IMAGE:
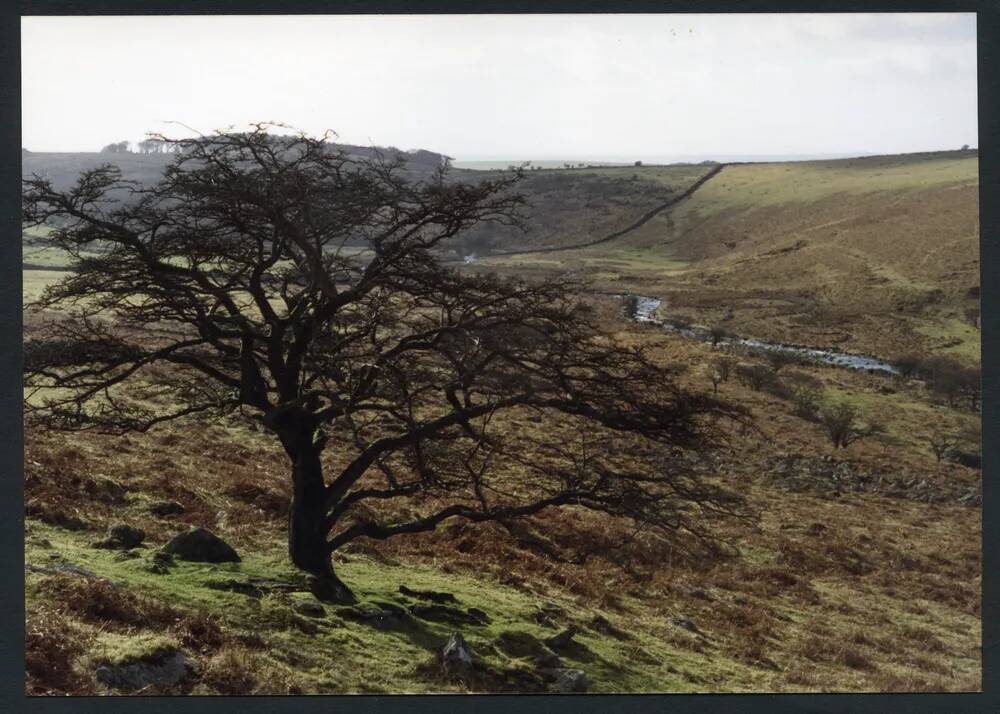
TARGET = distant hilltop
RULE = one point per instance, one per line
(146, 164)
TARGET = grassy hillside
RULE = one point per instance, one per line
(832, 589)
(877, 255)
(856, 569)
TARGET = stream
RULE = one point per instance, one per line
(644, 308)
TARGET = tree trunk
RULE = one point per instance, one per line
(307, 530)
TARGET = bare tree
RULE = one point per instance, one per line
(941, 443)
(284, 280)
(842, 424)
(723, 366)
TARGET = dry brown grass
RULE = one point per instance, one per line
(52, 643)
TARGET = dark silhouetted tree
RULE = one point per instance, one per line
(286, 281)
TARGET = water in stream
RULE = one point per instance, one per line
(643, 308)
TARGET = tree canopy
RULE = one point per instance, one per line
(284, 280)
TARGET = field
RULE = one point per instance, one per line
(857, 569)
(877, 255)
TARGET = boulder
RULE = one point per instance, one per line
(687, 623)
(380, 615)
(166, 668)
(125, 536)
(166, 508)
(455, 657)
(104, 489)
(201, 545)
(450, 615)
(521, 644)
(440, 598)
(568, 681)
(562, 640)
(601, 625)
(309, 608)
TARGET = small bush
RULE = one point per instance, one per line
(754, 376)
(842, 424)
(723, 366)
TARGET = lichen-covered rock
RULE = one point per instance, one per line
(201, 545)
(562, 640)
(166, 508)
(440, 598)
(521, 644)
(122, 536)
(568, 681)
(450, 615)
(380, 615)
(309, 608)
(456, 657)
(165, 668)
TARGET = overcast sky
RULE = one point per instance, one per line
(514, 86)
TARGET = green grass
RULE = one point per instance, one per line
(758, 185)
(947, 330)
(34, 282)
(373, 660)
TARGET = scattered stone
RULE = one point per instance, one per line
(126, 555)
(440, 598)
(166, 508)
(65, 569)
(251, 640)
(562, 640)
(254, 587)
(521, 644)
(548, 613)
(201, 545)
(122, 537)
(484, 619)
(455, 657)
(602, 626)
(380, 615)
(166, 668)
(104, 489)
(450, 615)
(568, 681)
(306, 626)
(309, 608)
(548, 660)
(828, 477)
(53, 516)
(687, 623)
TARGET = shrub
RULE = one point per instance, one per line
(842, 425)
(806, 402)
(907, 365)
(754, 376)
(940, 444)
(717, 334)
(723, 366)
(777, 359)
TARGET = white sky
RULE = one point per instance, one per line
(526, 86)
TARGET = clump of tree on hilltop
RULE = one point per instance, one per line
(285, 280)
